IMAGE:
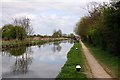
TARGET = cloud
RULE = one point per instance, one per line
(46, 15)
(55, 1)
(28, 15)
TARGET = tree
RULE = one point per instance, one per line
(64, 35)
(57, 33)
(13, 32)
(60, 33)
(25, 23)
(20, 32)
(101, 27)
(71, 35)
(6, 31)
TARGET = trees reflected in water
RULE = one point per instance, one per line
(56, 47)
(17, 51)
(71, 41)
(23, 58)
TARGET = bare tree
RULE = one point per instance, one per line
(25, 23)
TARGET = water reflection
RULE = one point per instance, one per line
(22, 62)
(56, 47)
(39, 46)
(22, 57)
(39, 61)
(71, 41)
(17, 51)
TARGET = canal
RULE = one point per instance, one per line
(40, 61)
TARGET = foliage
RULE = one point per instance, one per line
(13, 32)
(57, 34)
(25, 23)
(17, 51)
(71, 35)
(19, 30)
(102, 27)
(109, 60)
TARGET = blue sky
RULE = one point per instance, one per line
(46, 15)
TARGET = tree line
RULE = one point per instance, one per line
(19, 30)
(101, 27)
(56, 34)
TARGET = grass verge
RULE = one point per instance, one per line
(107, 60)
(73, 57)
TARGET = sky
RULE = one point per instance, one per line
(46, 15)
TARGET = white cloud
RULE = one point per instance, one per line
(46, 16)
(55, 0)
(28, 15)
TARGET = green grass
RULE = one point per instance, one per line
(73, 57)
(15, 43)
(20, 43)
(107, 60)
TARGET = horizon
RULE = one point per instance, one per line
(46, 16)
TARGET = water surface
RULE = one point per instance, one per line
(41, 61)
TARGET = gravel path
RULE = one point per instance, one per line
(96, 69)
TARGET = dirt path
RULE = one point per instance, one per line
(96, 69)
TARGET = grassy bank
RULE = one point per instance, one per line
(14, 43)
(17, 43)
(73, 57)
(107, 60)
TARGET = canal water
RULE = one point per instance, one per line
(41, 61)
